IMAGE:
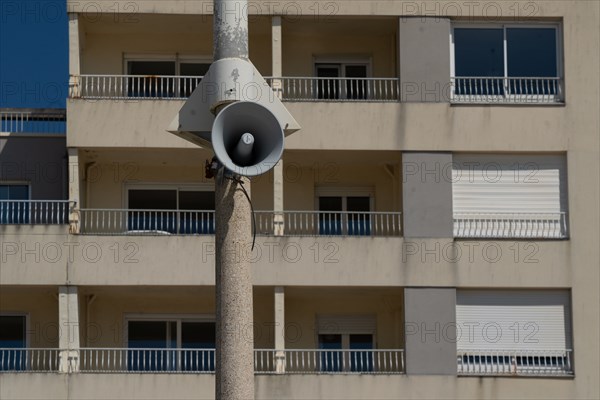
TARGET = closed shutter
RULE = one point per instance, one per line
(513, 320)
(509, 183)
(346, 324)
(509, 195)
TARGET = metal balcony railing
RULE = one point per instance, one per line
(515, 362)
(148, 222)
(147, 360)
(200, 361)
(33, 120)
(35, 212)
(511, 225)
(329, 361)
(129, 87)
(202, 222)
(29, 360)
(511, 90)
(122, 87)
(337, 89)
(331, 223)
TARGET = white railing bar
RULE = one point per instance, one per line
(514, 362)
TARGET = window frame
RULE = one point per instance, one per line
(18, 183)
(27, 323)
(178, 318)
(331, 328)
(343, 222)
(184, 187)
(556, 25)
(177, 58)
(341, 62)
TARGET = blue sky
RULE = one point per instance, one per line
(34, 64)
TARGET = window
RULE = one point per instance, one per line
(13, 211)
(171, 345)
(509, 196)
(173, 210)
(339, 335)
(329, 87)
(506, 60)
(513, 331)
(164, 77)
(12, 339)
(344, 214)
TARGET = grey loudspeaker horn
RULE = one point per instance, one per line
(247, 138)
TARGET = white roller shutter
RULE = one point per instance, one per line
(346, 324)
(498, 195)
(509, 183)
(513, 320)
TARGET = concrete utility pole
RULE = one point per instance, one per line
(234, 327)
(233, 112)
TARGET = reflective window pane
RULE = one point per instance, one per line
(478, 52)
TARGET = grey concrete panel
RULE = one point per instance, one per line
(39, 161)
(430, 331)
(427, 195)
(424, 50)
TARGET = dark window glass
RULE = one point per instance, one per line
(151, 85)
(196, 222)
(356, 88)
(330, 221)
(12, 331)
(14, 192)
(359, 222)
(331, 361)
(153, 199)
(478, 52)
(531, 52)
(358, 204)
(146, 336)
(193, 70)
(151, 67)
(12, 336)
(328, 88)
(198, 335)
(196, 200)
(14, 212)
(164, 221)
(361, 361)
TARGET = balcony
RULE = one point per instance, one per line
(337, 89)
(35, 212)
(510, 225)
(518, 362)
(200, 361)
(202, 222)
(128, 87)
(506, 90)
(33, 120)
(29, 360)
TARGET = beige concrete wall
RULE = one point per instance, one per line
(351, 126)
(308, 40)
(110, 173)
(191, 386)
(303, 261)
(108, 41)
(111, 307)
(305, 174)
(40, 305)
(34, 254)
(326, 11)
(303, 305)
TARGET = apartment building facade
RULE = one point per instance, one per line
(431, 231)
